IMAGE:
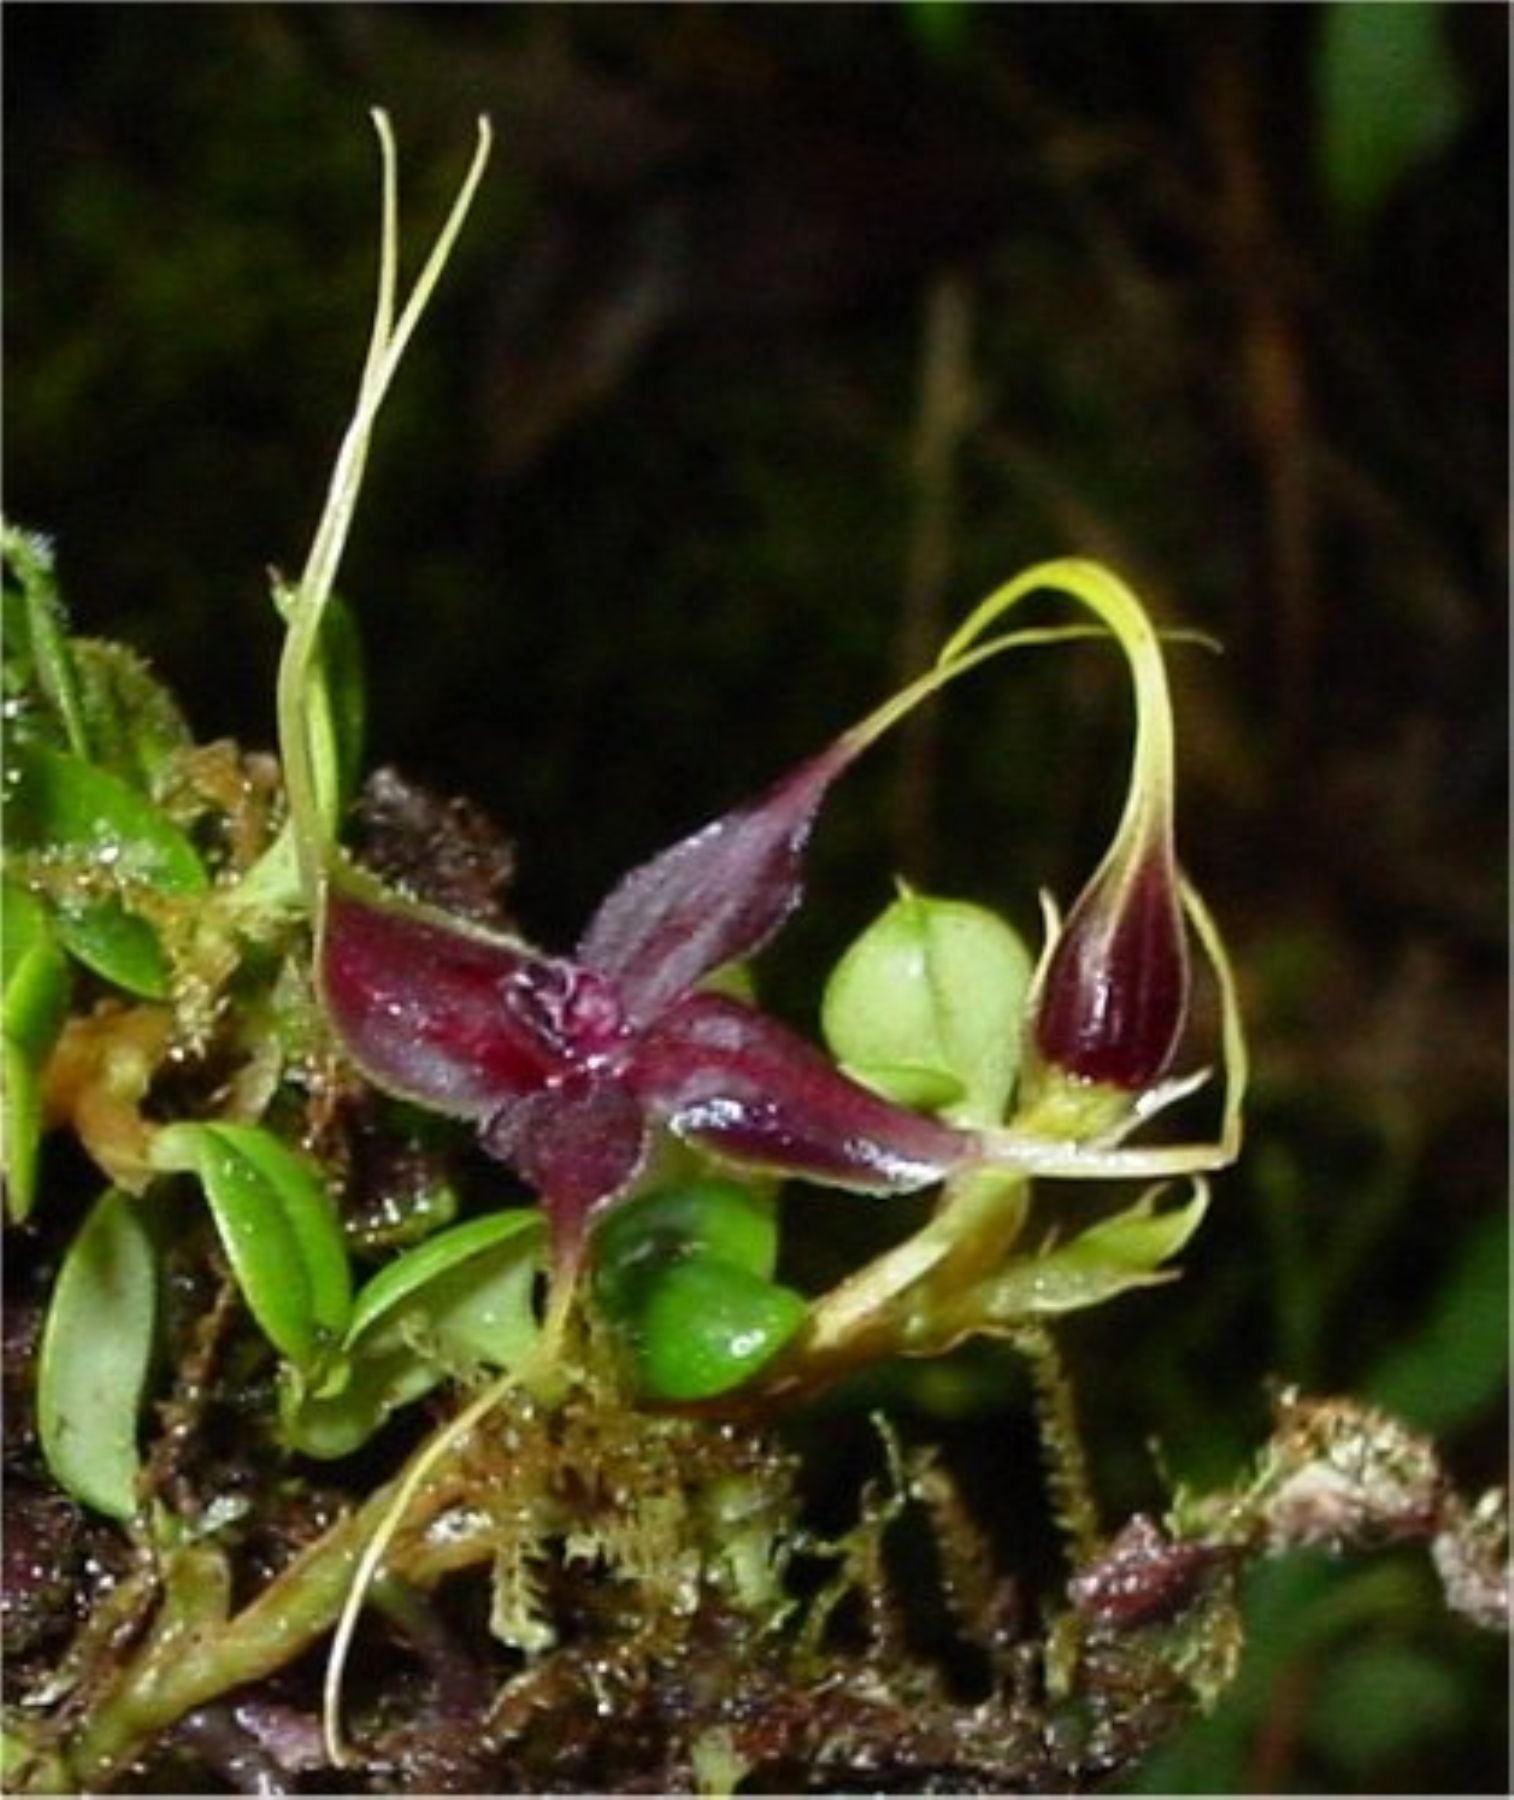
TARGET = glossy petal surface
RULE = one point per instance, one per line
(1115, 996)
(710, 899)
(424, 1006)
(743, 1086)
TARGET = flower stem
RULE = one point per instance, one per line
(900, 1303)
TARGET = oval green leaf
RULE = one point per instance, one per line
(465, 1297)
(61, 806)
(32, 969)
(705, 1326)
(95, 1351)
(685, 1273)
(708, 1217)
(280, 1228)
(926, 1007)
(404, 1281)
(35, 1002)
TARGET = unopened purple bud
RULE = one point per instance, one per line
(1114, 997)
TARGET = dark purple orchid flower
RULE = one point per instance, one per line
(564, 1065)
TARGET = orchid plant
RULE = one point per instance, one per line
(572, 1069)
(633, 1089)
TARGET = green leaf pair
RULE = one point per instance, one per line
(465, 1296)
(462, 1298)
(685, 1273)
(284, 1242)
(97, 730)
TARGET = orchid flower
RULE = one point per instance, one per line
(564, 1064)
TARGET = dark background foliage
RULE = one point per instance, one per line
(667, 495)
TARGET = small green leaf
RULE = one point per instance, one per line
(29, 556)
(111, 840)
(361, 1394)
(35, 1001)
(706, 1217)
(484, 1310)
(685, 1273)
(926, 1007)
(33, 970)
(705, 1326)
(93, 1362)
(399, 1283)
(134, 723)
(280, 1229)
(464, 1297)
(1112, 1257)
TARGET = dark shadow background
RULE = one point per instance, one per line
(780, 335)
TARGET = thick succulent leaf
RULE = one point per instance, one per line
(684, 1273)
(33, 973)
(61, 806)
(705, 1217)
(94, 1357)
(403, 1282)
(1120, 1253)
(711, 899)
(355, 1399)
(36, 983)
(465, 1296)
(926, 1007)
(437, 1011)
(732, 1081)
(280, 1229)
(702, 1326)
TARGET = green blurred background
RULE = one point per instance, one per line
(779, 336)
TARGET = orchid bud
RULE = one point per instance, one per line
(1110, 1000)
(1114, 995)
